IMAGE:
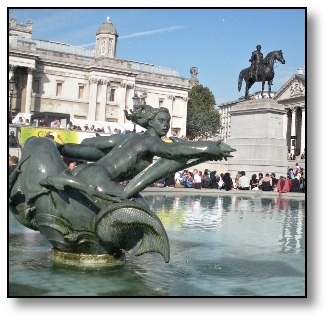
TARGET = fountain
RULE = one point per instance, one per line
(86, 214)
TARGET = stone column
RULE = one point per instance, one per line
(93, 99)
(102, 106)
(184, 117)
(11, 92)
(285, 123)
(170, 109)
(293, 130)
(303, 131)
(11, 71)
(122, 101)
(29, 91)
(11, 76)
(130, 92)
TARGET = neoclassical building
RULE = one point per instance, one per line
(47, 76)
(292, 96)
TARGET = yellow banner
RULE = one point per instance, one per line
(61, 136)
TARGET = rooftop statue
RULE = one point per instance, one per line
(261, 70)
(87, 209)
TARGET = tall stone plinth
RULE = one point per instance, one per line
(257, 135)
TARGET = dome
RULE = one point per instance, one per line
(107, 28)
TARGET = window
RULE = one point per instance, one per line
(161, 103)
(81, 91)
(58, 89)
(112, 95)
(111, 120)
(35, 86)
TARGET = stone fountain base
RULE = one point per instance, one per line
(85, 260)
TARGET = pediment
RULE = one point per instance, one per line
(293, 88)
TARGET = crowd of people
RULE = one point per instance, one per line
(56, 123)
(86, 127)
(293, 181)
(70, 126)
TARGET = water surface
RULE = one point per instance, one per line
(220, 246)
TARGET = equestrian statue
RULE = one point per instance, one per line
(261, 70)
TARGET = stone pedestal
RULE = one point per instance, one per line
(257, 135)
(86, 260)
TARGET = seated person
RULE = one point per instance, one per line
(228, 182)
(213, 180)
(295, 185)
(189, 179)
(274, 181)
(244, 182)
(197, 183)
(265, 184)
(254, 182)
(169, 181)
(283, 185)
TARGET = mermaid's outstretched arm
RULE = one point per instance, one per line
(164, 166)
(159, 169)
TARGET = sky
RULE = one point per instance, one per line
(217, 41)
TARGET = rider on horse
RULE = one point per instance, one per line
(255, 60)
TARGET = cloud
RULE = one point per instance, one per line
(143, 33)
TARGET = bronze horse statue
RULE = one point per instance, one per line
(265, 73)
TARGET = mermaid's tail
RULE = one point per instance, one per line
(123, 225)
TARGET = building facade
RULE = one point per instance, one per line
(292, 97)
(47, 76)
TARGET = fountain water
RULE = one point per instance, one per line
(222, 245)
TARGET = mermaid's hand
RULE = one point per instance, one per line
(218, 150)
